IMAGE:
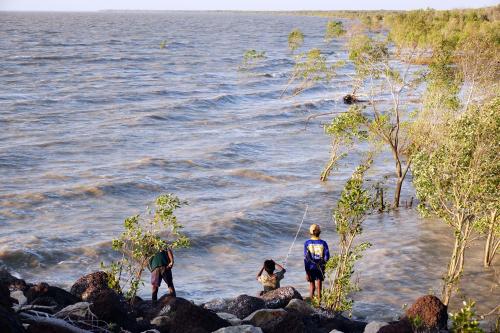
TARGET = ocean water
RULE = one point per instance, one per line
(96, 120)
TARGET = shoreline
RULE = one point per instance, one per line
(40, 307)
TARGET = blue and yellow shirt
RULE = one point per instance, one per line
(315, 253)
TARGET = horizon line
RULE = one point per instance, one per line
(238, 10)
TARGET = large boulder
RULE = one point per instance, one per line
(431, 311)
(80, 310)
(43, 294)
(244, 305)
(263, 316)
(19, 297)
(401, 326)
(9, 322)
(231, 318)
(217, 305)
(286, 322)
(280, 297)
(11, 281)
(181, 316)
(323, 323)
(111, 307)
(300, 307)
(86, 287)
(240, 329)
(374, 326)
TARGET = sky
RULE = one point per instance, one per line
(92, 5)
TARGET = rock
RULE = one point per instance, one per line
(19, 296)
(5, 300)
(43, 294)
(402, 326)
(322, 323)
(78, 310)
(162, 323)
(374, 326)
(11, 281)
(9, 321)
(244, 305)
(89, 285)
(184, 316)
(300, 307)
(240, 329)
(431, 311)
(280, 297)
(111, 307)
(349, 99)
(217, 305)
(47, 328)
(276, 321)
(261, 317)
(231, 318)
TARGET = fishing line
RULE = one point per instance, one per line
(296, 235)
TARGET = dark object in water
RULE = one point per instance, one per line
(349, 99)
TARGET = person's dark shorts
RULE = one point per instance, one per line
(315, 274)
(162, 273)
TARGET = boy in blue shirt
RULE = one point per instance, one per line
(316, 254)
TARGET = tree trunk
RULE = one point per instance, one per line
(448, 278)
(328, 168)
(397, 191)
(491, 245)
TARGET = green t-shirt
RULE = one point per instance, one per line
(158, 260)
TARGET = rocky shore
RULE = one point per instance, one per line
(91, 306)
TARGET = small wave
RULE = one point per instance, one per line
(217, 101)
(261, 176)
(255, 175)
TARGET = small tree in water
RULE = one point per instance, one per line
(457, 179)
(143, 237)
(352, 208)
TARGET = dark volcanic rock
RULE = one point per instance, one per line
(46, 328)
(177, 315)
(244, 305)
(217, 305)
(111, 307)
(5, 299)
(349, 99)
(86, 287)
(280, 297)
(9, 322)
(431, 311)
(276, 321)
(11, 281)
(402, 326)
(43, 294)
(323, 324)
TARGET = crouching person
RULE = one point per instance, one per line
(160, 266)
(269, 279)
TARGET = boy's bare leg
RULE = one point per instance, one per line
(171, 290)
(319, 285)
(154, 294)
(311, 289)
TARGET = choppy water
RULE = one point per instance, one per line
(96, 120)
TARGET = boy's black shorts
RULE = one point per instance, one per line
(315, 274)
(160, 273)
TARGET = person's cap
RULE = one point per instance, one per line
(313, 228)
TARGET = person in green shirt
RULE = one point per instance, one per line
(160, 266)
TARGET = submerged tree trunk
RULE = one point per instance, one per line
(492, 244)
(456, 264)
(399, 181)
